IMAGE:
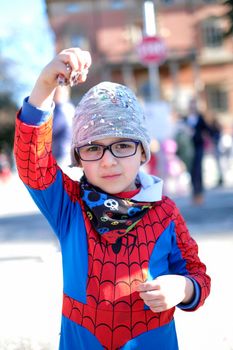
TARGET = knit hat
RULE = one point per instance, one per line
(109, 110)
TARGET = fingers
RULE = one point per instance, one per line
(154, 300)
(76, 58)
(87, 58)
(147, 286)
(76, 63)
(63, 76)
(151, 295)
(87, 64)
(158, 308)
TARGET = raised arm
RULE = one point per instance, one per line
(35, 163)
(33, 137)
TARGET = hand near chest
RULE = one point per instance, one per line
(166, 291)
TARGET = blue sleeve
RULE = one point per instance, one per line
(32, 115)
(194, 302)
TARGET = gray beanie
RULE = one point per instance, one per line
(109, 110)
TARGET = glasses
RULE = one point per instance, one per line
(119, 149)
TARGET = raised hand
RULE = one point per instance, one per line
(69, 67)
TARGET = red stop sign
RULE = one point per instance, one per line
(151, 49)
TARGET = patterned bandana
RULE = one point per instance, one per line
(112, 217)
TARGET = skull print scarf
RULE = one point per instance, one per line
(111, 216)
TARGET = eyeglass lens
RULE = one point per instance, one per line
(119, 149)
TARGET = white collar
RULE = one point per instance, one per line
(151, 188)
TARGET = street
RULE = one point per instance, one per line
(31, 276)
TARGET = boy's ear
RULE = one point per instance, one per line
(79, 165)
(143, 156)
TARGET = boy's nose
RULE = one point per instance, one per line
(108, 158)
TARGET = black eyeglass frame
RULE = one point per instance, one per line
(108, 147)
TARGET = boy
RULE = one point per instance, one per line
(128, 258)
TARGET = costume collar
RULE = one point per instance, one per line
(151, 188)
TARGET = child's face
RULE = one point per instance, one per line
(111, 174)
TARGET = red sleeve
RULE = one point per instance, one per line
(189, 251)
(33, 154)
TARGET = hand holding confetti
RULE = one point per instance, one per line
(69, 67)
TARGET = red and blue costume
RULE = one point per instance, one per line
(101, 309)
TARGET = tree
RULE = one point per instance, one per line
(7, 121)
(229, 16)
(8, 107)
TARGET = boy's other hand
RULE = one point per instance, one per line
(166, 291)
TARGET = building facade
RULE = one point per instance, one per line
(199, 61)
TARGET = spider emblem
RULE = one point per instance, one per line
(128, 242)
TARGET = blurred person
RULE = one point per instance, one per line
(128, 257)
(199, 129)
(5, 166)
(184, 142)
(226, 150)
(152, 165)
(216, 134)
(226, 144)
(62, 125)
(172, 168)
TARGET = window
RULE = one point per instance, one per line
(210, 1)
(77, 7)
(167, 2)
(216, 98)
(117, 4)
(212, 33)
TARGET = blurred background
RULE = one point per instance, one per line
(177, 56)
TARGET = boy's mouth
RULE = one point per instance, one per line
(110, 176)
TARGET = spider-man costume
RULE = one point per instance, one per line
(101, 309)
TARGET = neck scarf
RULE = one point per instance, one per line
(112, 217)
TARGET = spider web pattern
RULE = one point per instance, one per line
(114, 312)
(36, 166)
